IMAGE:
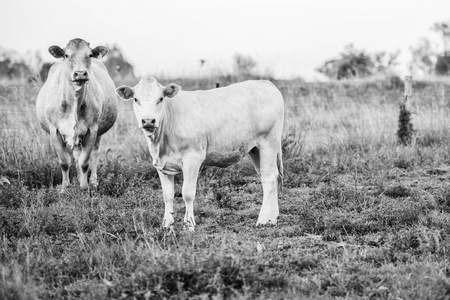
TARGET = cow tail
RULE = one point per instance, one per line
(280, 171)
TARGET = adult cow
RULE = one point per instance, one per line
(216, 128)
(76, 105)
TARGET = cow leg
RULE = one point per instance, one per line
(83, 160)
(269, 176)
(93, 163)
(191, 167)
(76, 154)
(167, 184)
(64, 157)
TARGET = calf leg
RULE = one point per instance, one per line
(254, 155)
(65, 160)
(191, 167)
(269, 175)
(167, 184)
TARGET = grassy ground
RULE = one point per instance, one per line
(360, 216)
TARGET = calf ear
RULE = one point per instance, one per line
(171, 90)
(56, 51)
(125, 92)
(100, 50)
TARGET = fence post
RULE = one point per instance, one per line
(405, 129)
(408, 91)
(445, 92)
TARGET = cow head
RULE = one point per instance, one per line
(77, 57)
(149, 97)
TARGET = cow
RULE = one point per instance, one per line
(76, 106)
(187, 129)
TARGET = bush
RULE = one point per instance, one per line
(358, 63)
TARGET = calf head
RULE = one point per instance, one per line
(149, 97)
(77, 57)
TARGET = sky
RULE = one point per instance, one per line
(287, 39)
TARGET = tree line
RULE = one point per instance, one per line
(429, 57)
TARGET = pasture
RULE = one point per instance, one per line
(361, 216)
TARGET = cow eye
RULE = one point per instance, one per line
(66, 55)
(136, 100)
(161, 99)
(91, 55)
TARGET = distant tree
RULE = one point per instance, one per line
(118, 67)
(429, 60)
(443, 29)
(244, 65)
(358, 63)
(442, 66)
(423, 57)
(12, 65)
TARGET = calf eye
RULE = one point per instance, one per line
(161, 99)
(136, 100)
(66, 55)
(91, 55)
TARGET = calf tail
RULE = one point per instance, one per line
(280, 171)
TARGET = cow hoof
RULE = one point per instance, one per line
(94, 184)
(92, 189)
(170, 231)
(64, 188)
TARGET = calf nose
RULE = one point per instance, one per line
(79, 75)
(148, 122)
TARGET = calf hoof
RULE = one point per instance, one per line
(267, 217)
(189, 226)
(168, 221)
(266, 221)
(189, 223)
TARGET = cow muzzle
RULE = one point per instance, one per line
(80, 77)
(149, 125)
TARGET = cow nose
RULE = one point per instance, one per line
(148, 122)
(80, 75)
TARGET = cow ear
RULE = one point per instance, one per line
(100, 50)
(171, 90)
(125, 92)
(56, 51)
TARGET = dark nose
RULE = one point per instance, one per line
(148, 122)
(77, 75)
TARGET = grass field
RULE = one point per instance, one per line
(361, 217)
